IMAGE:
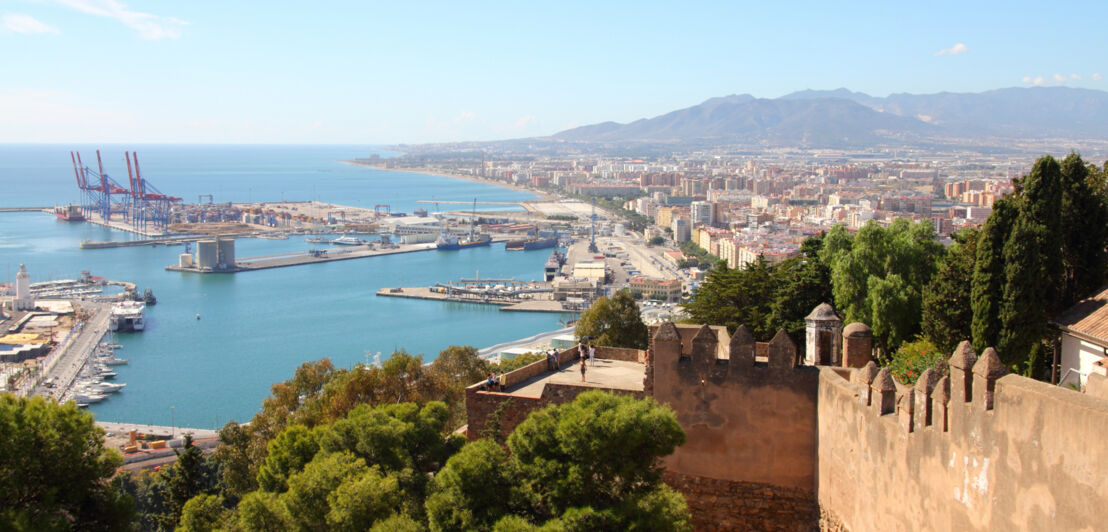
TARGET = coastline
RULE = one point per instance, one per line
(544, 196)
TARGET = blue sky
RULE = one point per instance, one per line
(411, 72)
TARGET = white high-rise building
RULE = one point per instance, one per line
(702, 213)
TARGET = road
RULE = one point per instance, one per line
(73, 357)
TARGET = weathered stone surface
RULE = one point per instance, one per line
(724, 505)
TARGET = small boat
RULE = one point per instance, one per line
(197, 316)
(315, 240)
(148, 297)
(110, 360)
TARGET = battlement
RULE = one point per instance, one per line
(978, 449)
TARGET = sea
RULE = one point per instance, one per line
(255, 328)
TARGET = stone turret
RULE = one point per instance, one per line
(857, 345)
(823, 331)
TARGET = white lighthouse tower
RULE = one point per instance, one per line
(23, 299)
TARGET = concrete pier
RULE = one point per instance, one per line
(298, 258)
(505, 304)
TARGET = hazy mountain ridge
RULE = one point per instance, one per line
(845, 118)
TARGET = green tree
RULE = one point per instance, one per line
(799, 285)
(947, 315)
(55, 471)
(474, 490)
(397, 523)
(288, 453)
(264, 511)
(592, 464)
(988, 274)
(1041, 251)
(656, 241)
(362, 500)
(309, 489)
(203, 513)
(190, 475)
(405, 440)
(882, 270)
(1084, 230)
(614, 322)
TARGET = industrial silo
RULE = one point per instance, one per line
(227, 253)
(207, 254)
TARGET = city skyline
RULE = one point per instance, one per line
(110, 71)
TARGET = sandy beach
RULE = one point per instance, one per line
(427, 171)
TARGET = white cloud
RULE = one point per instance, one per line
(26, 24)
(957, 49)
(466, 116)
(1096, 76)
(525, 121)
(1027, 79)
(1059, 78)
(1075, 77)
(148, 26)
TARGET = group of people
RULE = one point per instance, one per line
(586, 354)
(493, 383)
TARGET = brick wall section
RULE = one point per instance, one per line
(725, 505)
(481, 403)
(621, 353)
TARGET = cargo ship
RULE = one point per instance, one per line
(531, 243)
(69, 213)
(447, 242)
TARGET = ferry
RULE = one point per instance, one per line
(69, 213)
(348, 241)
(127, 316)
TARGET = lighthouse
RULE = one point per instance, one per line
(23, 299)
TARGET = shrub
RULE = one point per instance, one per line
(913, 358)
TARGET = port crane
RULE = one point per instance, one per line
(138, 204)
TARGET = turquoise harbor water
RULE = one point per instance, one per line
(256, 327)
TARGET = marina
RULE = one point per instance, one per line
(256, 329)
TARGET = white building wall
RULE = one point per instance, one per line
(1077, 360)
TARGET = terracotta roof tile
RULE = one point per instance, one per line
(1089, 317)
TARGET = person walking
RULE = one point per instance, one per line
(583, 364)
(592, 353)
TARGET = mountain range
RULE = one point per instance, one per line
(840, 118)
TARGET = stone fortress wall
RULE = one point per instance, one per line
(775, 443)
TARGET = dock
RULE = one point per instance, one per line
(26, 209)
(284, 260)
(505, 304)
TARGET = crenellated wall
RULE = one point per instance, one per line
(750, 427)
(773, 444)
(977, 450)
